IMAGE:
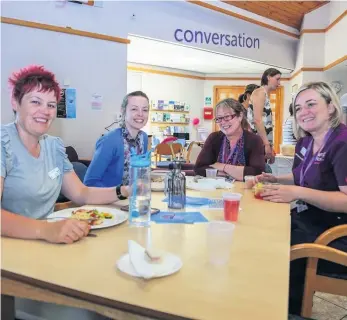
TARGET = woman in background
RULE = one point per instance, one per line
(245, 97)
(35, 168)
(233, 150)
(288, 132)
(259, 112)
(318, 181)
(111, 160)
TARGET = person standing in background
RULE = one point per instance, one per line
(245, 97)
(244, 100)
(259, 113)
(288, 133)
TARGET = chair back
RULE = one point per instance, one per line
(164, 149)
(71, 154)
(193, 152)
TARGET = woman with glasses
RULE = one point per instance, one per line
(233, 150)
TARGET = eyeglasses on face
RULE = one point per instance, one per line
(225, 118)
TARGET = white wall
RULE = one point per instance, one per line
(335, 42)
(317, 19)
(337, 74)
(163, 87)
(159, 20)
(92, 66)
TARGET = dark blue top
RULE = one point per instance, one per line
(107, 166)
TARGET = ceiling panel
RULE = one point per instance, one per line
(290, 13)
(164, 54)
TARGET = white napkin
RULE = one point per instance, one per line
(168, 264)
(137, 259)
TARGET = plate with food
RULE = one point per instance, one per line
(97, 217)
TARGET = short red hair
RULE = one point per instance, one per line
(30, 78)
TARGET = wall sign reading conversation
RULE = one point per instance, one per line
(218, 39)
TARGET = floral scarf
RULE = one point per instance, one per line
(235, 155)
(130, 143)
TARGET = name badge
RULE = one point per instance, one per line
(53, 174)
(301, 206)
(303, 151)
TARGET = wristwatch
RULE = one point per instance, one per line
(119, 194)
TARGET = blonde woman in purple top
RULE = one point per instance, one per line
(318, 181)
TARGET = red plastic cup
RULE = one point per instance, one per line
(231, 206)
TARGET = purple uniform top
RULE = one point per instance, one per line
(327, 172)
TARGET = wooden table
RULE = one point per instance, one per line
(253, 285)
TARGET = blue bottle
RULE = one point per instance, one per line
(140, 190)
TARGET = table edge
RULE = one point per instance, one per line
(141, 311)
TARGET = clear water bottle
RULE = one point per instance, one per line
(175, 186)
(140, 190)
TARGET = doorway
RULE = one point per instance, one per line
(276, 100)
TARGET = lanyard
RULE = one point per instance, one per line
(308, 152)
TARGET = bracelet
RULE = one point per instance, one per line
(119, 193)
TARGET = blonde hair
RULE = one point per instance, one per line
(238, 108)
(329, 95)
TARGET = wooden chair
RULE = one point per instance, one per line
(163, 149)
(63, 205)
(193, 151)
(320, 250)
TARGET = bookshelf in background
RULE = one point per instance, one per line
(168, 117)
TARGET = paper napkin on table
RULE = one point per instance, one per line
(146, 269)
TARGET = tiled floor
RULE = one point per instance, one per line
(329, 307)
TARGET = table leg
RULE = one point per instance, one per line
(7, 307)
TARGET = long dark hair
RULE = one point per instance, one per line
(237, 107)
(271, 72)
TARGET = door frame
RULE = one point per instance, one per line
(278, 115)
(214, 102)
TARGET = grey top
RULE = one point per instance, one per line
(267, 118)
(31, 185)
(288, 133)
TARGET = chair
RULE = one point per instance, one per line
(328, 283)
(193, 151)
(63, 202)
(73, 156)
(163, 149)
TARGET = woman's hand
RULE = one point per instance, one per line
(218, 166)
(269, 154)
(266, 177)
(66, 231)
(125, 191)
(280, 193)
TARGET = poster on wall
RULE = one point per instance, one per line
(208, 101)
(67, 104)
(96, 102)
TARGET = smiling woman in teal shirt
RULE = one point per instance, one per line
(34, 165)
(111, 160)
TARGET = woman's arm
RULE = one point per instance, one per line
(77, 192)
(17, 226)
(101, 160)
(207, 155)
(335, 201)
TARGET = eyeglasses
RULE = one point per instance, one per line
(225, 118)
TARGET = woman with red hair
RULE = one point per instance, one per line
(35, 168)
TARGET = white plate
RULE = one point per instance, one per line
(118, 216)
(208, 184)
(172, 265)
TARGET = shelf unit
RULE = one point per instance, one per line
(169, 111)
(170, 123)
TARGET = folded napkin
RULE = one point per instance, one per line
(138, 264)
(137, 258)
